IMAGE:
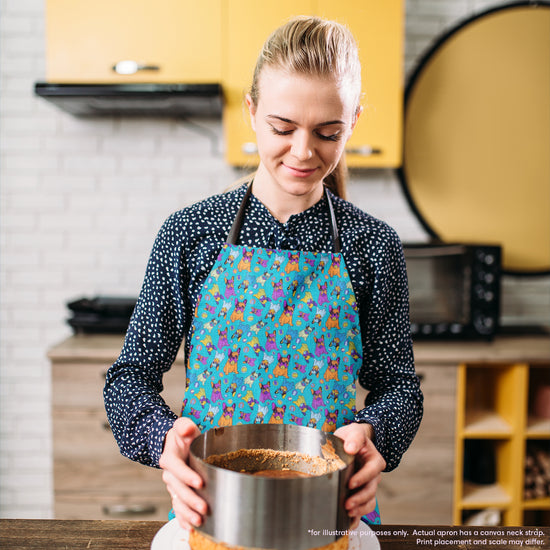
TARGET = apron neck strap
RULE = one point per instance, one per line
(233, 235)
(333, 225)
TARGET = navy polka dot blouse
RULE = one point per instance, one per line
(182, 257)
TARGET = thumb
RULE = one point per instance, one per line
(353, 436)
(186, 429)
(353, 444)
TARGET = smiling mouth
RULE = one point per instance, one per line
(300, 172)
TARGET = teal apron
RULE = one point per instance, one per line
(275, 338)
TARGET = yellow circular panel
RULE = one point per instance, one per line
(477, 136)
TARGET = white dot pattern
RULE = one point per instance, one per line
(183, 255)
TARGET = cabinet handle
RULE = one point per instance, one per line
(131, 67)
(129, 509)
(364, 150)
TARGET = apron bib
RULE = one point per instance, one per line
(275, 338)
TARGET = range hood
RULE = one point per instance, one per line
(158, 100)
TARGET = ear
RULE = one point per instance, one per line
(358, 111)
(251, 110)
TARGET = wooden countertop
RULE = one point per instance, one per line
(92, 347)
(531, 349)
(27, 534)
(520, 349)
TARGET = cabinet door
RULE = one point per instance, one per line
(378, 28)
(247, 24)
(420, 490)
(86, 39)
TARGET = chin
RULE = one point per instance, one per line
(300, 186)
(301, 189)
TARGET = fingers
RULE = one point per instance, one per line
(370, 463)
(188, 506)
(180, 473)
(357, 513)
(180, 479)
(176, 452)
(364, 500)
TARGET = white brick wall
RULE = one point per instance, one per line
(81, 201)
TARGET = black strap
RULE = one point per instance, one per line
(233, 235)
(334, 225)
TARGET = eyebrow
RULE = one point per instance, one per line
(289, 121)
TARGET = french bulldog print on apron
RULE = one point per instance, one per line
(275, 338)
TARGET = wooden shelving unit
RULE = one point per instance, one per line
(495, 426)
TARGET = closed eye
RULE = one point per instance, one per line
(331, 137)
(279, 132)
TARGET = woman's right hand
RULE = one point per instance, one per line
(181, 481)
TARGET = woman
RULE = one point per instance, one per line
(285, 293)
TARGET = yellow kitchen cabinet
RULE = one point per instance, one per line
(378, 29)
(175, 41)
(248, 23)
(496, 424)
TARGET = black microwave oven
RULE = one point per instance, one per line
(454, 290)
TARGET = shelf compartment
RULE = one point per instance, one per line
(538, 420)
(491, 406)
(481, 516)
(538, 427)
(484, 496)
(536, 517)
(536, 480)
(486, 424)
(487, 481)
(497, 426)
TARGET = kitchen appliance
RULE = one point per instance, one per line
(136, 99)
(101, 314)
(267, 512)
(454, 289)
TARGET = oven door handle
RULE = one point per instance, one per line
(431, 251)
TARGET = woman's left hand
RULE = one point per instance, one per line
(370, 463)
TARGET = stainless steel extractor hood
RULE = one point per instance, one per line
(134, 99)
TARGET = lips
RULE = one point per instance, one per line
(299, 172)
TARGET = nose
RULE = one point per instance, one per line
(301, 147)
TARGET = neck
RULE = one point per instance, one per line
(283, 204)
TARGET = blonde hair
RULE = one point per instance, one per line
(309, 45)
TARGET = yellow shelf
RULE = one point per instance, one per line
(494, 403)
(538, 427)
(537, 504)
(486, 424)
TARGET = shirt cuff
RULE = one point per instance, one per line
(379, 440)
(157, 435)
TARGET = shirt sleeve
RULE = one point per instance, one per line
(138, 416)
(394, 404)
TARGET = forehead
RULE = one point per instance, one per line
(295, 95)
